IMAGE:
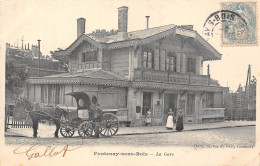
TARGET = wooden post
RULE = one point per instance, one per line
(39, 52)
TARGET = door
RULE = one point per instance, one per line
(147, 102)
(170, 102)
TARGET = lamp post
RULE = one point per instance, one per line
(39, 52)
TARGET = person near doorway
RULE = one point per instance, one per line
(169, 123)
(179, 124)
(148, 118)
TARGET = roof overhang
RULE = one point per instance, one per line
(170, 86)
(207, 51)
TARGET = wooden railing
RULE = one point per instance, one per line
(173, 77)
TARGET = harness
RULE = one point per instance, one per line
(38, 109)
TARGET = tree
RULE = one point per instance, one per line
(16, 75)
(63, 59)
(103, 32)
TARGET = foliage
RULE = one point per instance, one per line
(103, 32)
(16, 75)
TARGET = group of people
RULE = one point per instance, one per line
(179, 120)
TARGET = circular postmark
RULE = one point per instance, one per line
(230, 24)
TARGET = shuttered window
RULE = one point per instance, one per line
(148, 61)
(190, 65)
(190, 104)
(210, 100)
(171, 62)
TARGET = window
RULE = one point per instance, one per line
(190, 104)
(89, 56)
(50, 101)
(190, 65)
(171, 62)
(210, 100)
(83, 57)
(148, 58)
(43, 94)
(147, 102)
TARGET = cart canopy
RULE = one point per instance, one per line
(81, 96)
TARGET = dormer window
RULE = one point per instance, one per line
(89, 56)
(171, 62)
(148, 58)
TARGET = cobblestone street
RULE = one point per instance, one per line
(229, 137)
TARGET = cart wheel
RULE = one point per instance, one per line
(67, 130)
(109, 125)
(85, 129)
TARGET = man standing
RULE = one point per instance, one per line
(97, 114)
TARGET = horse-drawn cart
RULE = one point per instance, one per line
(84, 117)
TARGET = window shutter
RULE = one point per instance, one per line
(162, 60)
(178, 62)
(156, 59)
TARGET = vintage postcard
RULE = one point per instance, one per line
(129, 82)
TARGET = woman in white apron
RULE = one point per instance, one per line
(169, 123)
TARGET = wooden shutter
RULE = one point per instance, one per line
(156, 59)
(178, 62)
(162, 60)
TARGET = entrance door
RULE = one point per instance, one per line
(170, 102)
(147, 102)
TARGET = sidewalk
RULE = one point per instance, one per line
(47, 131)
(187, 127)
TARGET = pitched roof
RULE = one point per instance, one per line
(142, 37)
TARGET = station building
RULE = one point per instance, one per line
(155, 69)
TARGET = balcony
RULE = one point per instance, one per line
(173, 77)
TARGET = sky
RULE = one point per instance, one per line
(54, 23)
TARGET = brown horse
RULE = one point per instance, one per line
(37, 113)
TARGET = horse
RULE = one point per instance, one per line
(36, 113)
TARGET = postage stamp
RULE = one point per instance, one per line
(241, 30)
(236, 22)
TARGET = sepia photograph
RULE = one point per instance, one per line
(129, 82)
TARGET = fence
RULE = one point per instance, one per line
(14, 119)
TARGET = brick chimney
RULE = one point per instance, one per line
(80, 26)
(122, 21)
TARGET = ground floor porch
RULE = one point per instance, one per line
(131, 104)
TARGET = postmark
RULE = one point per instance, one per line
(236, 27)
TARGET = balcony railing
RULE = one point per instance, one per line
(173, 77)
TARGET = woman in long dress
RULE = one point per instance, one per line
(169, 123)
(179, 124)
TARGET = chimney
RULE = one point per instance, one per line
(188, 27)
(80, 26)
(122, 21)
(28, 47)
(147, 21)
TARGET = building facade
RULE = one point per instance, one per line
(154, 69)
